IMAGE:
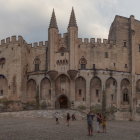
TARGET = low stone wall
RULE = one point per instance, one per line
(49, 114)
(137, 116)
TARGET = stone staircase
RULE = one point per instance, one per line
(49, 114)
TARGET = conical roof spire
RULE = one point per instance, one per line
(72, 22)
(53, 23)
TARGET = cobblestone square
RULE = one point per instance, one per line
(46, 129)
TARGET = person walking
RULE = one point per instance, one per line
(90, 123)
(68, 119)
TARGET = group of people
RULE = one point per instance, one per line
(101, 122)
(68, 117)
(100, 119)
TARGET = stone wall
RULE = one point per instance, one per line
(79, 69)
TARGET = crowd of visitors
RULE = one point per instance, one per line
(68, 117)
(101, 122)
(99, 118)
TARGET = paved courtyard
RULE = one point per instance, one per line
(45, 129)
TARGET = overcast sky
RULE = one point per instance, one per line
(30, 18)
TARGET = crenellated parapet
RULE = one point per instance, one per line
(96, 42)
(39, 44)
(20, 40)
(12, 40)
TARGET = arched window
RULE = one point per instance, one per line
(80, 89)
(125, 96)
(125, 89)
(57, 62)
(3, 85)
(37, 63)
(66, 61)
(83, 62)
(138, 86)
(2, 61)
(61, 62)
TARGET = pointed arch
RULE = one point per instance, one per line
(125, 83)
(61, 62)
(3, 86)
(80, 89)
(45, 89)
(111, 91)
(37, 63)
(125, 91)
(2, 61)
(31, 90)
(95, 90)
(111, 81)
(138, 86)
(138, 91)
(62, 85)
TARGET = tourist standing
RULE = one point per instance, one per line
(57, 117)
(68, 119)
(104, 124)
(73, 117)
(99, 122)
(90, 123)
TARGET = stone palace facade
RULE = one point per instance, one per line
(68, 72)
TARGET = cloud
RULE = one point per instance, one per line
(30, 18)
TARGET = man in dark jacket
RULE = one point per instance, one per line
(90, 123)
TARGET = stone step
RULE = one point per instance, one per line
(44, 114)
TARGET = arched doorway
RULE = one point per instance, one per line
(62, 102)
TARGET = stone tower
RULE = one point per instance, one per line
(72, 39)
(52, 40)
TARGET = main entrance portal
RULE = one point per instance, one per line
(62, 102)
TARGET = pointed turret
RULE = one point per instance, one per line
(52, 39)
(72, 22)
(72, 39)
(53, 23)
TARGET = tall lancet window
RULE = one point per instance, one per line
(37, 63)
(125, 96)
(83, 63)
